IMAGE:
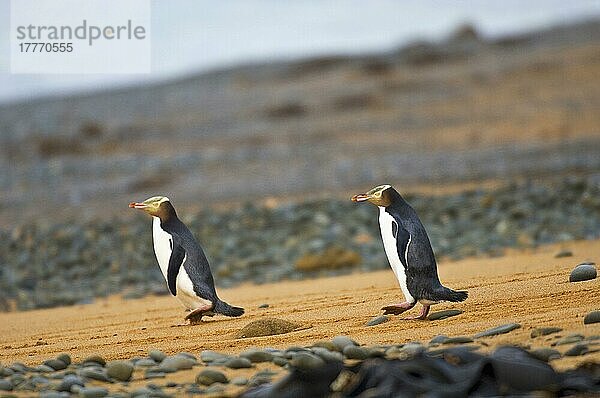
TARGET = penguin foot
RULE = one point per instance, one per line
(423, 314)
(195, 316)
(397, 309)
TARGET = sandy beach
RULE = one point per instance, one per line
(528, 287)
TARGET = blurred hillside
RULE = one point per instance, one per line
(464, 109)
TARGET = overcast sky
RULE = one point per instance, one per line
(190, 35)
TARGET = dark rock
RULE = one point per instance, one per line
(577, 349)
(263, 306)
(570, 339)
(55, 364)
(120, 370)
(443, 314)
(208, 377)
(378, 320)
(69, 381)
(267, 327)
(6, 385)
(592, 317)
(238, 363)
(563, 253)
(537, 332)
(64, 358)
(458, 340)
(583, 272)
(517, 369)
(545, 354)
(498, 330)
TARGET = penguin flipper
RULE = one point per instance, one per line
(175, 261)
(402, 242)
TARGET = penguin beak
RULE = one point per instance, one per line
(137, 205)
(361, 197)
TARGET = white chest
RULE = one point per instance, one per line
(386, 222)
(162, 249)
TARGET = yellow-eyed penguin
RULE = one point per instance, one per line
(183, 262)
(409, 252)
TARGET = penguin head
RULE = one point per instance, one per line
(381, 195)
(157, 206)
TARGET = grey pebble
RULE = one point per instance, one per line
(544, 331)
(239, 381)
(546, 354)
(157, 355)
(458, 340)
(341, 342)
(175, 363)
(498, 330)
(211, 356)
(355, 352)
(305, 360)
(327, 355)
(583, 272)
(93, 392)
(443, 314)
(120, 370)
(570, 339)
(56, 364)
(439, 339)
(264, 305)
(576, 350)
(146, 362)
(66, 358)
(54, 394)
(154, 374)
(210, 376)
(94, 373)
(194, 390)
(214, 389)
(44, 369)
(238, 363)
(592, 317)
(257, 356)
(378, 320)
(6, 385)
(96, 359)
(69, 381)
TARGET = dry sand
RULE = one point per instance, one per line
(528, 287)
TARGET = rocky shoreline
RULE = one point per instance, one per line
(74, 262)
(340, 367)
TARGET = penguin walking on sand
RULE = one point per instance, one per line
(409, 252)
(183, 262)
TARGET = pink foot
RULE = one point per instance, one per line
(397, 309)
(423, 314)
(196, 315)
